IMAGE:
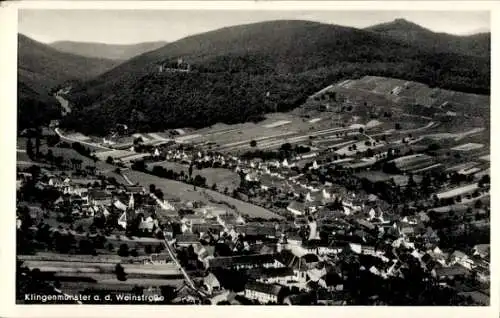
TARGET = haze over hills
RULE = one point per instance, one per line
(478, 44)
(41, 68)
(119, 52)
(234, 68)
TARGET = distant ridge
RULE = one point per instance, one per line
(414, 34)
(120, 52)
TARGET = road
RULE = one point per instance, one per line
(64, 104)
(58, 132)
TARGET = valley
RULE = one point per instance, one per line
(279, 162)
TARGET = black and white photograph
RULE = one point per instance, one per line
(253, 157)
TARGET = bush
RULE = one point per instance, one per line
(123, 250)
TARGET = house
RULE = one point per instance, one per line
(458, 257)
(297, 208)
(186, 295)
(300, 264)
(477, 297)
(365, 224)
(134, 189)
(159, 258)
(302, 299)
(187, 239)
(481, 250)
(244, 261)
(279, 275)
(211, 283)
(321, 248)
(450, 273)
(331, 298)
(293, 239)
(99, 197)
(263, 293)
(257, 229)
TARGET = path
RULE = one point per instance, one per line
(127, 179)
(58, 132)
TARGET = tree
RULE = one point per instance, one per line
(109, 160)
(58, 161)
(190, 171)
(286, 146)
(159, 194)
(29, 148)
(361, 130)
(123, 250)
(433, 147)
(50, 156)
(53, 140)
(485, 180)
(120, 272)
(214, 187)
(152, 188)
(397, 126)
(37, 141)
(478, 204)
(86, 247)
(369, 153)
(253, 143)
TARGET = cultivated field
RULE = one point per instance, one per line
(458, 191)
(468, 147)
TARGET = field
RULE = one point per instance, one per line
(103, 155)
(378, 176)
(468, 147)
(455, 136)
(485, 158)
(405, 91)
(221, 177)
(277, 129)
(458, 191)
(67, 154)
(186, 192)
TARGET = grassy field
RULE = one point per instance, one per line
(458, 191)
(221, 177)
(186, 192)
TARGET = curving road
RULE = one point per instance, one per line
(58, 132)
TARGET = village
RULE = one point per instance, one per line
(340, 202)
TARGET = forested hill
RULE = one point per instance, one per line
(41, 69)
(120, 52)
(241, 72)
(413, 34)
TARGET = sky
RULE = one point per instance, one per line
(134, 26)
